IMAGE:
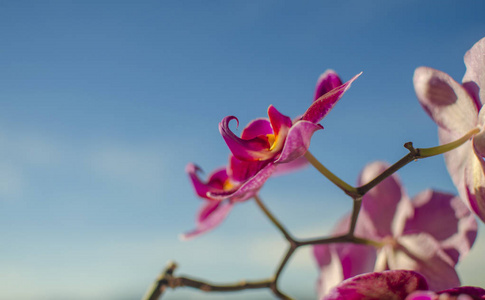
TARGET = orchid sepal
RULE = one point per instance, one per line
(322, 106)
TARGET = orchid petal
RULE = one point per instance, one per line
(298, 141)
(474, 79)
(459, 293)
(326, 82)
(241, 170)
(422, 295)
(479, 138)
(446, 218)
(423, 254)
(255, 128)
(475, 185)
(215, 182)
(445, 100)
(341, 228)
(248, 189)
(320, 107)
(209, 217)
(251, 149)
(297, 164)
(279, 122)
(342, 261)
(457, 160)
(331, 273)
(389, 285)
(382, 201)
(475, 292)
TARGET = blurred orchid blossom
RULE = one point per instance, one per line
(278, 139)
(456, 109)
(428, 235)
(237, 180)
(397, 285)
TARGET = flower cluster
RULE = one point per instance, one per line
(428, 234)
(264, 146)
(390, 246)
(431, 233)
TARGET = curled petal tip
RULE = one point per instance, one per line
(183, 237)
(224, 124)
(193, 168)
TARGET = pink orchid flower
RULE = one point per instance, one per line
(457, 109)
(278, 139)
(428, 235)
(397, 285)
(237, 179)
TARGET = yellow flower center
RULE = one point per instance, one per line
(228, 185)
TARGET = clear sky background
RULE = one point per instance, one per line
(103, 103)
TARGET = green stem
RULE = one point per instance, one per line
(347, 188)
(414, 154)
(427, 152)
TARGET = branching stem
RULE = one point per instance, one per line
(344, 186)
(273, 219)
(415, 154)
(167, 279)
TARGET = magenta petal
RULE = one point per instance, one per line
(298, 141)
(241, 170)
(247, 189)
(278, 121)
(474, 292)
(210, 216)
(446, 218)
(320, 107)
(445, 100)
(389, 285)
(297, 164)
(326, 82)
(382, 201)
(422, 295)
(252, 149)
(342, 261)
(256, 128)
(423, 254)
(474, 79)
(215, 182)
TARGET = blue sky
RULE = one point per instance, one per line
(103, 103)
